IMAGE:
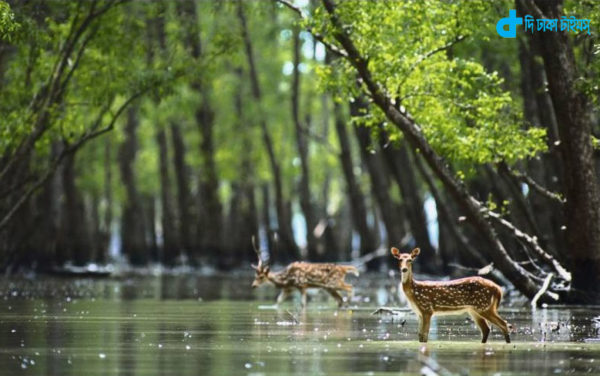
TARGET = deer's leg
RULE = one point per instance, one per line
(424, 321)
(304, 298)
(482, 324)
(350, 294)
(283, 295)
(336, 296)
(495, 319)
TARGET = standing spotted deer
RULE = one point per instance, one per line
(305, 275)
(476, 296)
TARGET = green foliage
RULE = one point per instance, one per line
(587, 47)
(413, 50)
(430, 56)
(8, 25)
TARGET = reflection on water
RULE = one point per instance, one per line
(174, 325)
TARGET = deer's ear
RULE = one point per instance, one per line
(266, 269)
(395, 252)
(254, 266)
(415, 252)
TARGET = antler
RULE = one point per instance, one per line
(260, 262)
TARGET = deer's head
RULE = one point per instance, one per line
(405, 262)
(262, 270)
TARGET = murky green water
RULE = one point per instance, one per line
(217, 326)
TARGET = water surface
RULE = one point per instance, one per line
(195, 325)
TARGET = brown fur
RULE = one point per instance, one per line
(305, 275)
(479, 297)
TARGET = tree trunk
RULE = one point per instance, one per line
(302, 145)
(546, 169)
(132, 222)
(573, 112)
(357, 200)
(266, 217)
(380, 183)
(151, 234)
(553, 171)
(242, 220)
(96, 245)
(108, 213)
(400, 166)
(211, 210)
(184, 201)
(285, 232)
(467, 254)
(170, 247)
(73, 226)
(242, 225)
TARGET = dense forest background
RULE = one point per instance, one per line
(173, 131)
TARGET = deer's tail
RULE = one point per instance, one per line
(351, 269)
(498, 298)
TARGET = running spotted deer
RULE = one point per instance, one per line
(479, 297)
(305, 275)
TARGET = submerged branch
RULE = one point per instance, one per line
(532, 242)
(544, 289)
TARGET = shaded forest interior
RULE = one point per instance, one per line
(173, 131)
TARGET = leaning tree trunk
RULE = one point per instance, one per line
(523, 280)
(286, 236)
(573, 112)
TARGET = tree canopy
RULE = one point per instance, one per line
(173, 132)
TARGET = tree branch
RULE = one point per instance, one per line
(51, 93)
(429, 54)
(317, 36)
(88, 38)
(319, 139)
(523, 177)
(69, 150)
(543, 290)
